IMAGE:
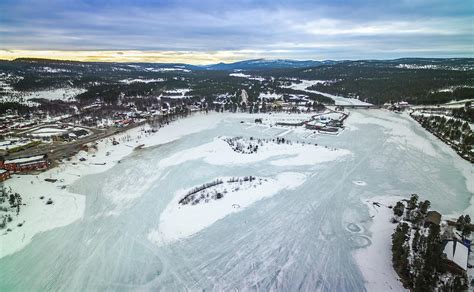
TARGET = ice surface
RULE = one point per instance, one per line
(297, 239)
(339, 100)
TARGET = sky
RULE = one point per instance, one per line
(211, 31)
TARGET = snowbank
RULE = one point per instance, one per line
(180, 221)
(375, 260)
(68, 207)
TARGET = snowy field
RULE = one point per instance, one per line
(313, 228)
(65, 94)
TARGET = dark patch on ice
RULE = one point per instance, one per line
(352, 227)
(360, 241)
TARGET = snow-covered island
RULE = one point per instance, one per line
(193, 210)
(217, 189)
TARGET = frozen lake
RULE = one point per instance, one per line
(298, 239)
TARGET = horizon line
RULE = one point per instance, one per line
(197, 58)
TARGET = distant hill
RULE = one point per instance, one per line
(259, 64)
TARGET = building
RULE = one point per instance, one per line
(25, 163)
(456, 255)
(433, 217)
(4, 175)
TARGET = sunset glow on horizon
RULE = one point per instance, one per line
(194, 58)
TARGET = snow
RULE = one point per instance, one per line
(67, 93)
(457, 253)
(269, 96)
(302, 239)
(50, 130)
(375, 260)
(218, 152)
(25, 159)
(36, 215)
(47, 132)
(53, 70)
(167, 69)
(177, 93)
(339, 100)
(69, 207)
(401, 131)
(181, 91)
(242, 75)
(178, 221)
(137, 80)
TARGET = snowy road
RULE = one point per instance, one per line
(296, 240)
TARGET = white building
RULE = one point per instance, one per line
(457, 253)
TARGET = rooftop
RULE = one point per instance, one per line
(457, 253)
(25, 159)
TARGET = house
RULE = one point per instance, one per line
(25, 163)
(433, 217)
(456, 256)
(4, 175)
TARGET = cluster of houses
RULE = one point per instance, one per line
(22, 164)
(456, 248)
(13, 121)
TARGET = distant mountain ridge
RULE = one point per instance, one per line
(268, 64)
(253, 64)
(246, 65)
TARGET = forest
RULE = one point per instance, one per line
(417, 249)
(418, 81)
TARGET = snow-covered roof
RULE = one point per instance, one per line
(457, 253)
(25, 159)
(2, 171)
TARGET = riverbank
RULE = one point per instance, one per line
(375, 260)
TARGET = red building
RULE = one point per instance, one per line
(25, 163)
(4, 175)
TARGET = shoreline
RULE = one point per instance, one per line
(69, 207)
(375, 260)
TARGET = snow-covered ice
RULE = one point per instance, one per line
(317, 236)
(339, 100)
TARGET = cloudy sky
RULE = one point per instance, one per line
(209, 31)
